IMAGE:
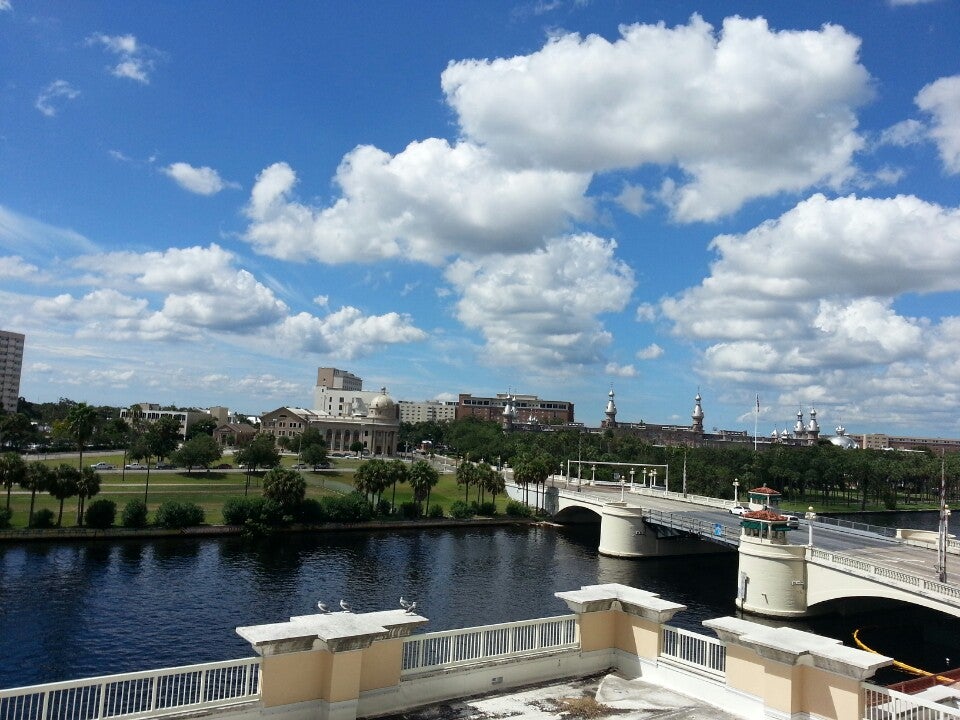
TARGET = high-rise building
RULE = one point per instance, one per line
(11, 363)
(334, 379)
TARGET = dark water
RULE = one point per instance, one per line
(83, 609)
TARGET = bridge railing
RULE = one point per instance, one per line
(152, 693)
(705, 529)
(881, 703)
(468, 646)
(890, 576)
(861, 527)
(700, 652)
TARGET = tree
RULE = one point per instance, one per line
(64, 484)
(372, 479)
(531, 469)
(314, 455)
(79, 424)
(37, 478)
(87, 487)
(466, 476)
(15, 430)
(259, 452)
(203, 426)
(357, 447)
(286, 488)
(200, 450)
(422, 478)
(12, 471)
(398, 472)
(489, 480)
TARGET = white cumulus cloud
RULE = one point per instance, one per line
(50, 97)
(135, 61)
(942, 100)
(650, 352)
(624, 371)
(200, 180)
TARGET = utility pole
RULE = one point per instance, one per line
(944, 519)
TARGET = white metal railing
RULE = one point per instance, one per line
(151, 693)
(681, 521)
(889, 576)
(704, 653)
(468, 646)
(880, 703)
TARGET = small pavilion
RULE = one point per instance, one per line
(763, 498)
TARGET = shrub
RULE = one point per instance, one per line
(312, 512)
(460, 510)
(436, 511)
(487, 509)
(519, 510)
(178, 515)
(101, 513)
(409, 510)
(5, 516)
(43, 518)
(384, 507)
(237, 510)
(347, 508)
(134, 514)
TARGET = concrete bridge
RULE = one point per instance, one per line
(783, 572)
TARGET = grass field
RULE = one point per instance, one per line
(210, 490)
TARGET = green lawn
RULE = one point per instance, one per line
(210, 490)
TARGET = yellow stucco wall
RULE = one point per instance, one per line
(782, 686)
(828, 695)
(637, 636)
(293, 678)
(381, 665)
(745, 670)
(343, 680)
(597, 630)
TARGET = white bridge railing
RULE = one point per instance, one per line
(136, 695)
(715, 531)
(949, 594)
(883, 704)
(703, 653)
(452, 648)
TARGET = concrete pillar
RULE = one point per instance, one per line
(623, 533)
(773, 574)
(794, 673)
(622, 621)
(317, 666)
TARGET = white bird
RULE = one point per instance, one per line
(322, 606)
(345, 607)
(411, 608)
(405, 604)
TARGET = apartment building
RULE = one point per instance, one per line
(11, 365)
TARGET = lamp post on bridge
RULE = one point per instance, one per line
(736, 491)
(593, 474)
(645, 477)
(632, 472)
(653, 478)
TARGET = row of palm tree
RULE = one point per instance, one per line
(481, 476)
(373, 478)
(62, 482)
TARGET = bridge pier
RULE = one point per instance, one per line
(773, 574)
(624, 533)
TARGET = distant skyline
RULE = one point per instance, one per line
(201, 204)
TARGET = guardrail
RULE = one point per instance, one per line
(883, 704)
(681, 521)
(468, 646)
(949, 594)
(151, 693)
(700, 652)
(861, 527)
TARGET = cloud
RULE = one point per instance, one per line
(646, 312)
(348, 333)
(941, 99)
(200, 180)
(624, 371)
(5, 5)
(908, 132)
(650, 352)
(897, 3)
(50, 97)
(13, 267)
(37, 240)
(541, 310)
(745, 113)
(808, 302)
(426, 203)
(135, 61)
(633, 199)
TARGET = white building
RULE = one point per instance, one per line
(11, 364)
(429, 410)
(151, 412)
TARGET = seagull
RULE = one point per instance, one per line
(322, 606)
(405, 604)
(411, 608)
(345, 607)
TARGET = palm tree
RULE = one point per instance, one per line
(466, 476)
(80, 422)
(87, 486)
(65, 483)
(12, 470)
(423, 477)
(37, 477)
(398, 473)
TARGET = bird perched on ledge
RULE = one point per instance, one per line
(345, 606)
(322, 606)
(405, 604)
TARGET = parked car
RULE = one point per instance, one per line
(224, 466)
(134, 466)
(739, 509)
(103, 466)
(793, 521)
(164, 466)
(300, 466)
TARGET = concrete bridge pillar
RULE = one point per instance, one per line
(623, 532)
(773, 574)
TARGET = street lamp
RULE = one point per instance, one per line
(736, 491)
(622, 486)
(653, 478)
(632, 472)
(645, 477)
(593, 474)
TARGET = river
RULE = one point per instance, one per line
(71, 610)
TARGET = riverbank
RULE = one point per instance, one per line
(83, 533)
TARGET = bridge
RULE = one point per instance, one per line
(782, 573)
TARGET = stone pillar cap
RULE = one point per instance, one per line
(336, 632)
(614, 596)
(796, 647)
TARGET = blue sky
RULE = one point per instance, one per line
(201, 203)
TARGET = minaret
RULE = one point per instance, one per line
(611, 411)
(508, 414)
(798, 428)
(697, 415)
(813, 428)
